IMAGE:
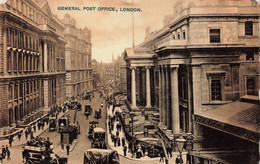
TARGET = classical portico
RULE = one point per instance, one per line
(169, 97)
(140, 74)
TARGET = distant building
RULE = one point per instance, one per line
(32, 67)
(205, 64)
(108, 74)
(78, 58)
(122, 75)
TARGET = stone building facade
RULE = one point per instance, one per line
(32, 67)
(78, 58)
(204, 57)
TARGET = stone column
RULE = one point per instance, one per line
(197, 129)
(25, 99)
(189, 80)
(196, 75)
(45, 56)
(5, 50)
(148, 88)
(133, 88)
(46, 93)
(163, 97)
(22, 63)
(175, 100)
(160, 96)
(168, 118)
(18, 102)
(13, 116)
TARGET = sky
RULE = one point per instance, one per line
(112, 31)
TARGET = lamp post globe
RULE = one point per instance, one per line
(180, 142)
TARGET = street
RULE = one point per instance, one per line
(83, 143)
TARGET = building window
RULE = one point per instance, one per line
(250, 86)
(184, 35)
(178, 36)
(15, 61)
(249, 28)
(214, 35)
(9, 61)
(216, 81)
(216, 90)
(249, 55)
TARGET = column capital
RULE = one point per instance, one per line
(147, 67)
(132, 67)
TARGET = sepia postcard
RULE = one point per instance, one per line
(129, 81)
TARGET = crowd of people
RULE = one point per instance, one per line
(29, 133)
(135, 147)
(5, 153)
(39, 142)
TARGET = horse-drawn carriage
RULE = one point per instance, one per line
(52, 124)
(38, 151)
(98, 113)
(97, 137)
(88, 110)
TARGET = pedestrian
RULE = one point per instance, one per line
(118, 142)
(31, 135)
(125, 149)
(26, 134)
(143, 149)
(19, 135)
(1, 158)
(68, 149)
(179, 160)
(115, 141)
(47, 120)
(161, 156)
(62, 146)
(170, 150)
(123, 141)
(117, 133)
(39, 125)
(129, 147)
(11, 140)
(8, 154)
(3, 152)
(43, 125)
(34, 128)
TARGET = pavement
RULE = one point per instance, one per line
(16, 148)
(23, 140)
(128, 158)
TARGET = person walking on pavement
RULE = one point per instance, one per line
(26, 134)
(19, 135)
(118, 141)
(8, 154)
(125, 149)
(161, 156)
(68, 149)
(1, 158)
(3, 152)
(123, 141)
(32, 135)
(11, 140)
(34, 128)
(62, 146)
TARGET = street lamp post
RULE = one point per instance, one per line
(132, 115)
(180, 142)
